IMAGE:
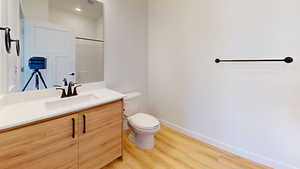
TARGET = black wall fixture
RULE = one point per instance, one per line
(9, 41)
(286, 60)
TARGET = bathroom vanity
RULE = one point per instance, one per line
(40, 127)
(77, 134)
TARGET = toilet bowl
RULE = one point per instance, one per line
(142, 130)
(142, 126)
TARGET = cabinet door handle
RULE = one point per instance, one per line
(84, 124)
(73, 127)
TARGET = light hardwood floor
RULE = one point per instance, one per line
(177, 151)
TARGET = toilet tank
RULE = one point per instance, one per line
(132, 103)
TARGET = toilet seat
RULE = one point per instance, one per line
(143, 121)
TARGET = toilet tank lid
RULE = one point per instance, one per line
(132, 95)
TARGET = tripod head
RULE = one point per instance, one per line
(36, 63)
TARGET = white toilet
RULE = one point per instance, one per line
(142, 126)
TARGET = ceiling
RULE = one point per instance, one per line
(89, 8)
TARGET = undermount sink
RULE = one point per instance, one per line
(70, 102)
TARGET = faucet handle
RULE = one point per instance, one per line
(72, 83)
(69, 92)
(75, 93)
(65, 82)
(63, 94)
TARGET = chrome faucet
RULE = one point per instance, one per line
(69, 92)
(74, 92)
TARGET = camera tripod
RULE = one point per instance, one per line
(38, 76)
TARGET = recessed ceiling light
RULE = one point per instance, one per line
(78, 9)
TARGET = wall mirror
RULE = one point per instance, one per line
(60, 40)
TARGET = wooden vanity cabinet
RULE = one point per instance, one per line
(89, 139)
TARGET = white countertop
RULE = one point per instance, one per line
(16, 111)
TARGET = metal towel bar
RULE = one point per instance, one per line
(286, 60)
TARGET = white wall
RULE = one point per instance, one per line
(3, 58)
(100, 28)
(13, 59)
(9, 17)
(82, 26)
(42, 11)
(89, 61)
(36, 10)
(251, 109)
(126, 46)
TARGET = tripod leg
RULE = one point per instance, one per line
(32, 74)
(37, 83)
(42, 79)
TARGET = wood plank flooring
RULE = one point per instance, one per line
(177, 151)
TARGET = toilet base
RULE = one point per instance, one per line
(145, 142)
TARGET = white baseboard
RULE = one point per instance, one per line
(229, 148)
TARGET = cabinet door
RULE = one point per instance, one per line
(100, 136)
(48, 145)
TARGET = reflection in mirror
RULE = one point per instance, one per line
(61, 39)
